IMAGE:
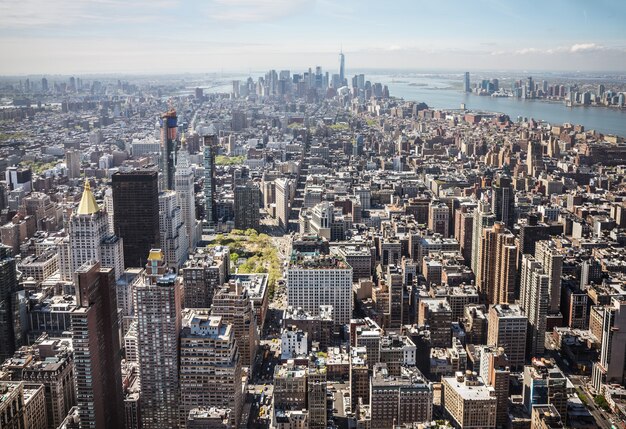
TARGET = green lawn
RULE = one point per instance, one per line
(258, 250)
(229, 160)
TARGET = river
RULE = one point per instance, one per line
(438, 93)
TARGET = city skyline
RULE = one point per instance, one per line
(108, 36)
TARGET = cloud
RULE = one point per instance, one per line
(525, 51)
(585, 47)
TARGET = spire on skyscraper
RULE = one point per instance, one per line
(88, 204)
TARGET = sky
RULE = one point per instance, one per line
(177, 36)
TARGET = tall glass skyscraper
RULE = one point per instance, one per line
(342, 67)
(169, 123)
(210, 146)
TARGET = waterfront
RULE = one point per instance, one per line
(439, 93)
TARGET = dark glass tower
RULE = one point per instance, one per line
(503, 200)
(8, 302)
(136, 213)
(247, 197)
(169, 123)
(209, 150)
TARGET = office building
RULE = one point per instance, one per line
(507, 330)
(283, 196)
(498, 374)
(612, 325)
(9, 286)
(544, 383)
(95, 339)
(316, 383)
(552, 261)
(396, 294)
(232, 302)
(467, 82)
(503, 200)
(34, 406)
(158, 313)
(545, 416)
(184, 186)
(359, 376)
(169, 147)
(436, 313)
(319, 328)
(203, 274)
(247, 204)
(464, 229)
(172, 231)
(497, 272)
(439, 218)
(397, 351)
(468, 401)
(530, 233)
(210, 366)
(483, 218)
(290, 391)
(209, 152)
(12, 405)
(402, 399)
(90, 240)
(72, 163)
(51, 363)
(314, 280)
(534, 299)
(475, 323)
(136, 207)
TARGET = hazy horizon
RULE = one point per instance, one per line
(159, 37)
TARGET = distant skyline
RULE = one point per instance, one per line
(173, 36)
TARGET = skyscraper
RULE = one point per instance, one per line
(498, 374)
(158, 312)
(95, 338)
(439, 218)
(283, 191)
(467, 82)
(72, 163)
(136, 207)
(168, 147)
(184, 186)
(210, 147)
(89, 237)
(174, 240)
(468, 401)
(534, 298)
(610, 367)
(396, 293)
(210, 365)
(503, 200)
(342, 68)
(507, 329)
(314, 280)
(399, 400)
(495, 278)
(552, 261)
(483, 218)
(247, 202)
(233, 303)
(545, 383)
(8, 302)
